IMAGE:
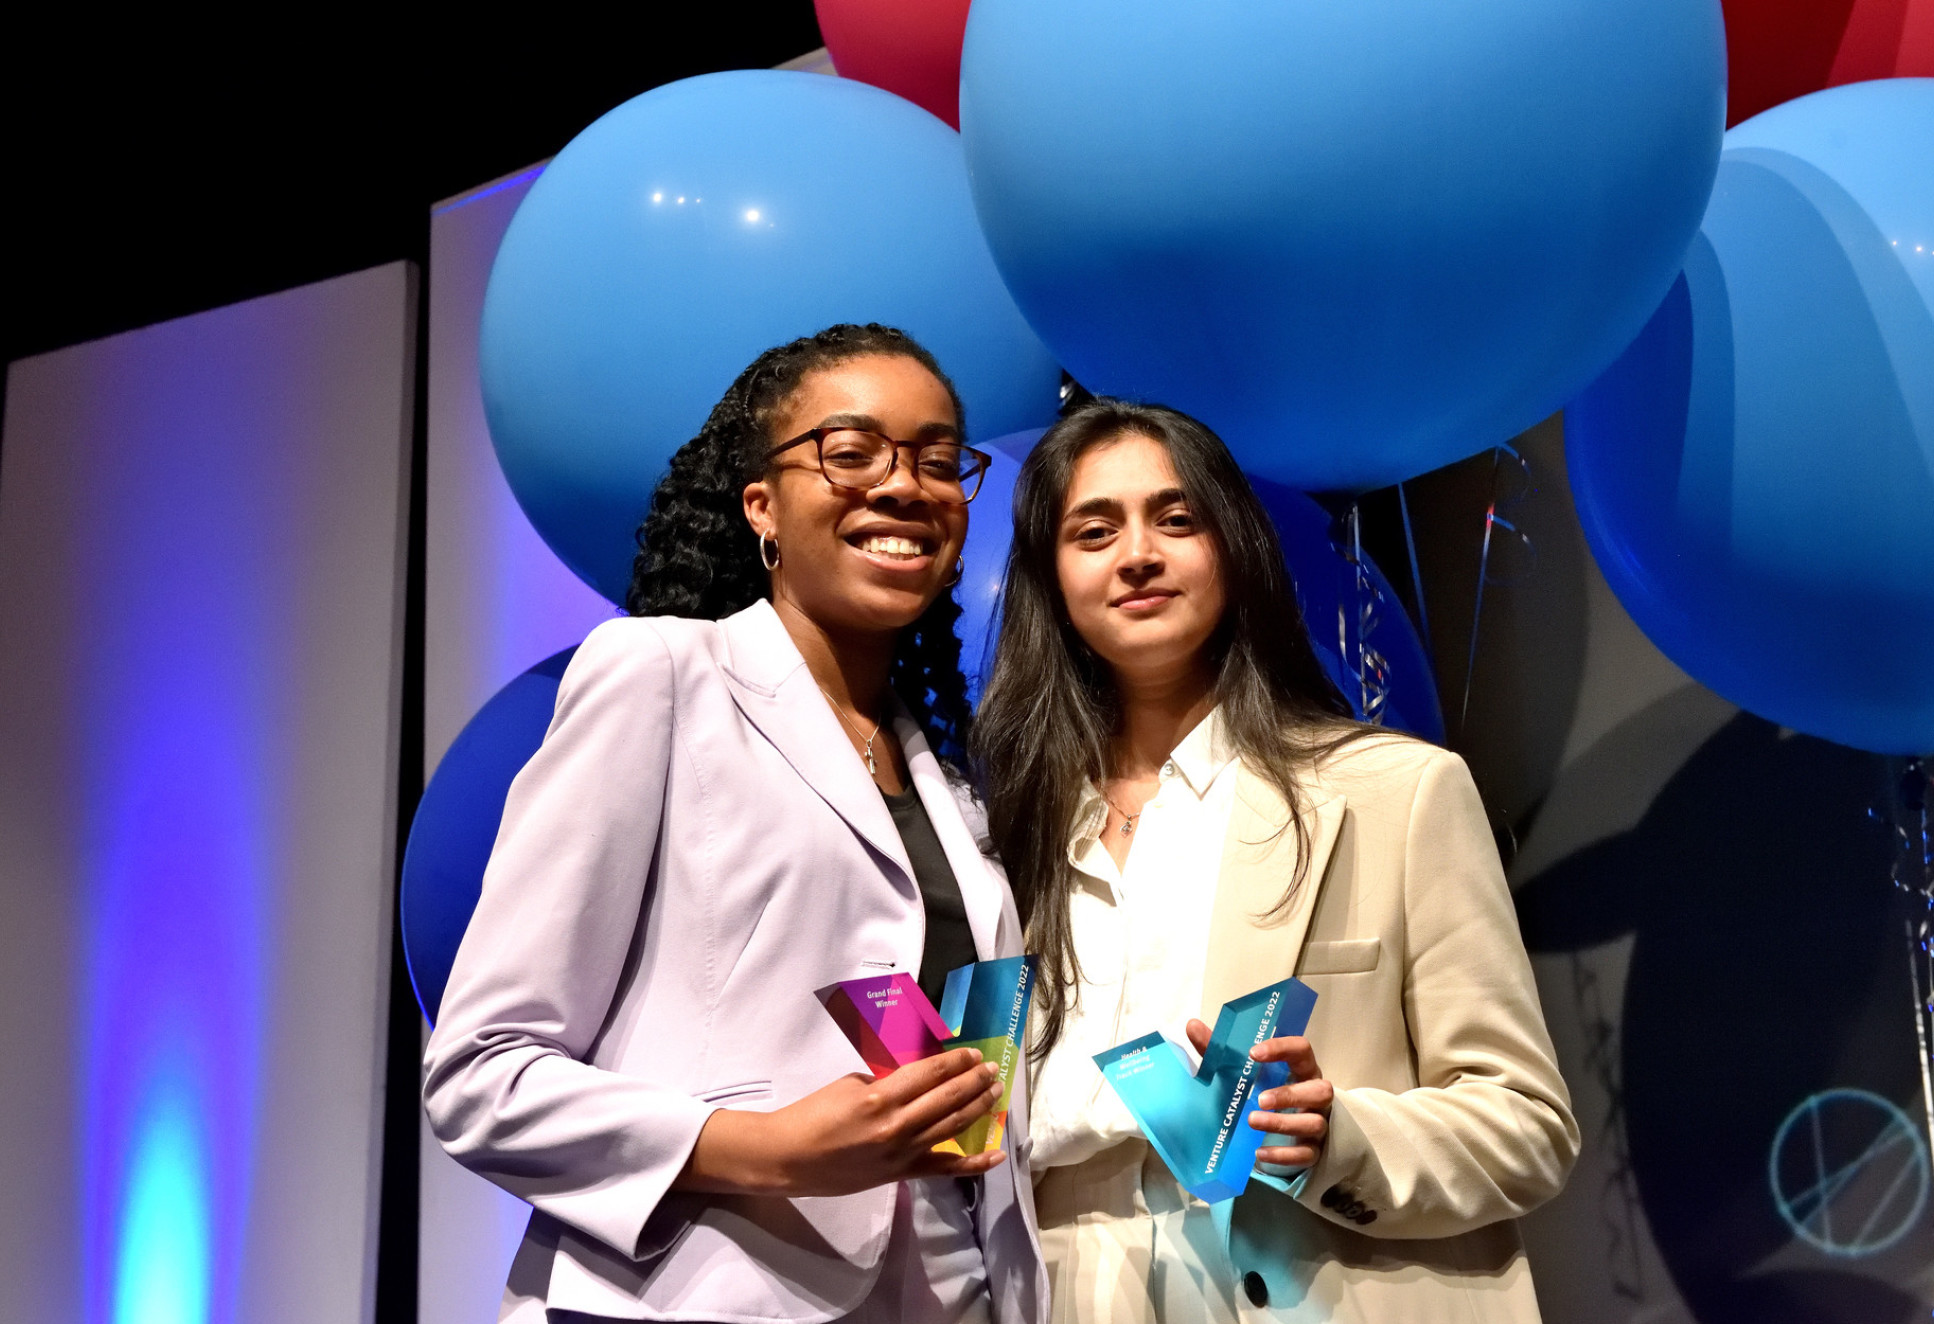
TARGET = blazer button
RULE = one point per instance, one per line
(1352, 1210)
(1333, 1197)
(1255, 1289)
(1367, 1217)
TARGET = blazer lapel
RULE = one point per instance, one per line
(772, 687)
(980, 893)
(1249, 946)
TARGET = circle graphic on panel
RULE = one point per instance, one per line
(1849, 1172)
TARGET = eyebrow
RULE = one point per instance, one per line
(1094, 506)
(868, 423)
(1112, 506)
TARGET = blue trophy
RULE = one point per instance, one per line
(1198, 1119)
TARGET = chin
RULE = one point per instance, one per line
(1161, 646)
(889, 608)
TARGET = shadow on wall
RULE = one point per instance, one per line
(1767, 968)
(1531, 636)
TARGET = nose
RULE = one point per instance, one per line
(1140, 553)
(902, 485)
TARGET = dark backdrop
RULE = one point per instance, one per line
(161, 165)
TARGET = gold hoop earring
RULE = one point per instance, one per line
(770, 560)
(960, 568)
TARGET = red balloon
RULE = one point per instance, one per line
(1780, 49)
(908, 47)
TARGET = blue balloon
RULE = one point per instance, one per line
(1755, 476)
(1326, 589)
(1359, 240)
(694, 227)
(990, 533)
(456, 823)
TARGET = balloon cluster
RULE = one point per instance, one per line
(1359, 241)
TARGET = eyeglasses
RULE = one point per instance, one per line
(853, 457)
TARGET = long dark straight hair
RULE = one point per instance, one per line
(1050, 712)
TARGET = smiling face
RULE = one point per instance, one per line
(852, 561)
(1139, 575)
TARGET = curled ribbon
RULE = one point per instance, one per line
(1494, 521)
(1372, 668)
(1909, 816)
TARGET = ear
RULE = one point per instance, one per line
(757, 500)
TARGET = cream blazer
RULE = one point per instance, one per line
(1450, 1118)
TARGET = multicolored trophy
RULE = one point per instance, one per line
(984, 1006)
(1198, 1118)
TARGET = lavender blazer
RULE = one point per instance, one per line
(693, 851)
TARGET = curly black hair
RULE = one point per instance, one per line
(698, 557)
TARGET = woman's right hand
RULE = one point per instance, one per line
(851, 1135)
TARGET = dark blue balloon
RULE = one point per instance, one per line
(1755, 475)
(456, 823)
(1326, 589)
(1359, 240)
(696, 226)
(990, 532)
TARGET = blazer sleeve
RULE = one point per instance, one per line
(1488, 1133)
(506, 1087)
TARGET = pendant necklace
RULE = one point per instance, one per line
(1127, 819)
(872, 768)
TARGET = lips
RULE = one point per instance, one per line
(1144, 599)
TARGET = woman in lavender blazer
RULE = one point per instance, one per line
(739, 802)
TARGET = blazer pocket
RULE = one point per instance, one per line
(1352, 956)
(728, 1096)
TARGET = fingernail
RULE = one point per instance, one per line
(976, 1052)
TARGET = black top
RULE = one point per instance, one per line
(950, 943)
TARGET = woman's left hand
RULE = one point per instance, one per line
(1307, 1093)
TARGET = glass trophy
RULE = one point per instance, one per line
(984, 1005)
(1197, 1118)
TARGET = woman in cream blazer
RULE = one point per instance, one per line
(1153, 693)
(716, 826)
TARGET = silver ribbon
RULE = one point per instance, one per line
(1372, 668)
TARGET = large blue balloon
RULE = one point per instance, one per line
(1756, 475)
(1359, 240)
(456, 823)
(697, 225)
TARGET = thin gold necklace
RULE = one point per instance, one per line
(1128, 820)
(872, 768)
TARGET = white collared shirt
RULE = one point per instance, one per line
(1141, 934)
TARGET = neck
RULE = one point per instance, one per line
(850, 666)
(1157, 710)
